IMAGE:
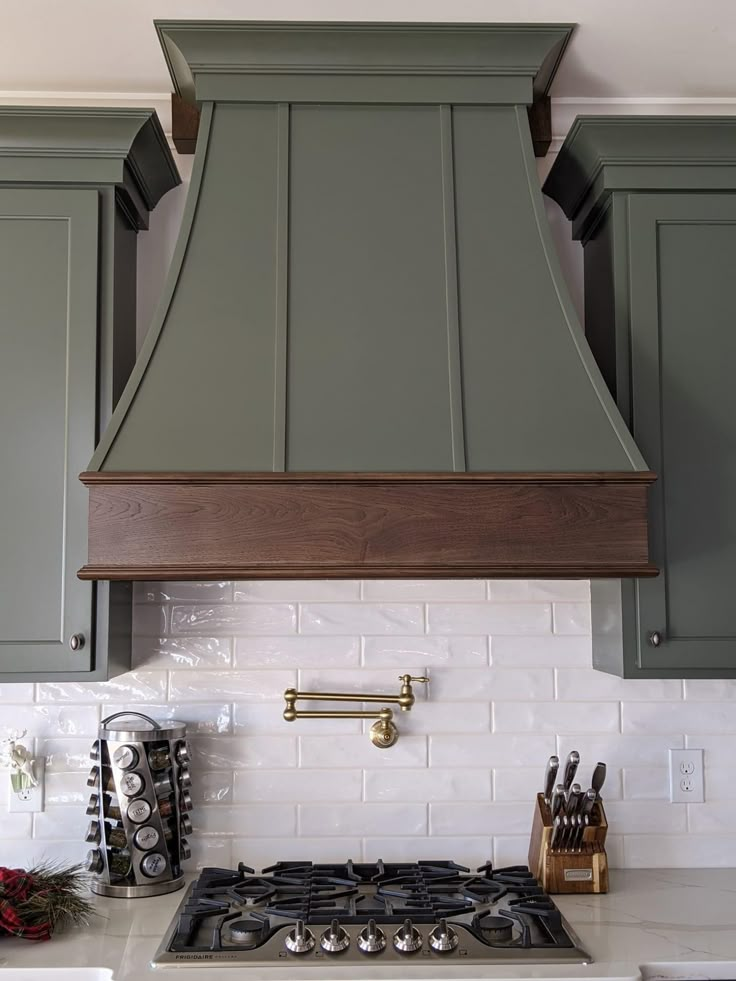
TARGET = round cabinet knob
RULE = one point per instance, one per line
(655, 638)
(76, 642)
(443, 938)
(371, 939)
(408, 939)
(335, 939)
(300, 940)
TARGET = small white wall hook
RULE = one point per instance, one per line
(21, 762)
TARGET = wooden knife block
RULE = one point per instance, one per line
(572, 872)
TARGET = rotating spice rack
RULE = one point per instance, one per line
(139, 807)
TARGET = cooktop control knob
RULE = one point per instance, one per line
(408, 939)
(300, 940)
(371, 939)
(442, 938)
(335, 939)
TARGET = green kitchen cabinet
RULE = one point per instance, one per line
(653, 201)
(76, 185)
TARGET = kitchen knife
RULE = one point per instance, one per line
(575, 799)
(586, 808)
(565, 832)
(550, 775)
(556, 832)
(599, 777)
(558, 800)
(571, 766)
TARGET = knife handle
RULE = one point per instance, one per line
(550, 775)
(571, 767)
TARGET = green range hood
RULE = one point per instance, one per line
(365, 361)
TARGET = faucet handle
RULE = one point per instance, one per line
(407, 679)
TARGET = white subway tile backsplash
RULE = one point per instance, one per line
(178, 653)
(576, 684)
(715, 690)
(214, 787)
(65, 754)
(544, 652)
(253, 820)
(201, 718)
(478, 819)
(524, 683)
(49, 720)
(361, 618)
(347, 752)
(254, 686)
(234, 618)
(689, 717)
(646, 817)
(431, 784)
(511, 683)
(518, 783)
(582, 717)
(298, 591)
(489, 618)
(16, 692)
(456, 652)
(398, 590)
(467, 851)
(297, 652)
(66, 788)
(620, 750)
(237, 753)
(336, 818)
(571, 618)
(135, 686)
(534, 590)
(183, 592)
(449, 717)
(262, 852)
(299, 785)
(646, 783)
(497, 749)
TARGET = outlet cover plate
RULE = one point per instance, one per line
(686, 776)
(32, 800)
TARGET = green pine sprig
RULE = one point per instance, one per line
(59, 896)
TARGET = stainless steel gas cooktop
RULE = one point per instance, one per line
(422, 912)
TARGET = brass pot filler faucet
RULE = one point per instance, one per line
(383, 732)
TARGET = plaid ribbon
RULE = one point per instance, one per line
(15, 888)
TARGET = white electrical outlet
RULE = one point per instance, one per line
(686, 776)
(30, 800)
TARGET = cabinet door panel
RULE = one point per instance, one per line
(48, 342)
(683, 351)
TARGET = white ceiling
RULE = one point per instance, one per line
(646, 49)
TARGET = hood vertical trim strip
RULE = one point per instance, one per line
(452, 301)
(281, 332)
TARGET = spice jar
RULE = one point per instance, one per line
(159, 759)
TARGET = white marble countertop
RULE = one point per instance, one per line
(650, 917)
